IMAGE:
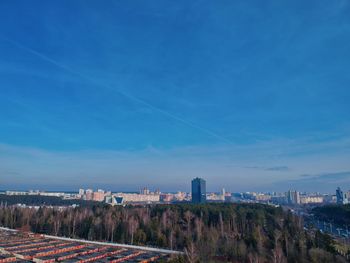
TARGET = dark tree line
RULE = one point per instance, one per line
(338, 214)
(38, 200)
(207, 233)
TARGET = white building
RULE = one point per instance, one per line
(138, 198)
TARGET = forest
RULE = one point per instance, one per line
(338, 214)
(206, 233)
(39, 200)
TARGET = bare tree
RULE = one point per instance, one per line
(132, 227)
(191, 253)
(188, 217)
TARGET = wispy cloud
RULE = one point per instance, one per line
(272, 168)
(332, 176)
(323, 182)
(278, 168)
(95, 82)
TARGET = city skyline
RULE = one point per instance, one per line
(198, 195)
(123, 95)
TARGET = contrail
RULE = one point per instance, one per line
(124, 94)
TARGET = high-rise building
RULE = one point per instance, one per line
(296, 197)
(293, 197)
(223, 194)
(342, 198)
(198, 191)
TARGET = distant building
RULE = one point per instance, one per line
(330, 199)
(180, 196)
(223, 194)
(138, 198)
(279, 199)
(214, 197)
(89, 194)
(296, 197)
(198, 191)
(81, 192)
(99, 195)
(311, 199)
(114, 200)
(342, 198)
(293, 197)
(166, 197)
(16, 193)
(144, 191)
(262, 197)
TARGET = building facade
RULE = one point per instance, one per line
(342, 198)
(293, 197)
(198, 191)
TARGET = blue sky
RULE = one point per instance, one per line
(121, 94)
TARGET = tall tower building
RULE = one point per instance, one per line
(223, 194)
(198, 191)
(293, 197)
(342, 197)
(296, 197)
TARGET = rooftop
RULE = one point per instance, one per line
(17, 246)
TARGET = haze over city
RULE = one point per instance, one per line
(125, 95)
